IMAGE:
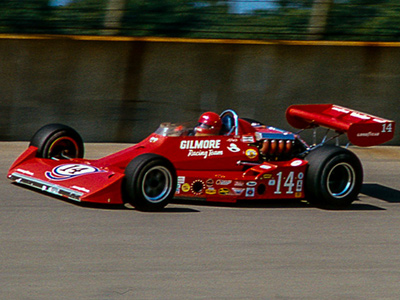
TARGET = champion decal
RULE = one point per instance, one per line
(69, 171)
(251, 153)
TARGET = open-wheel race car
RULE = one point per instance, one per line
(245, 160)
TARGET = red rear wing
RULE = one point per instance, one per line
(362, 129)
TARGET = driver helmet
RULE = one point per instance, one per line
(209, 124)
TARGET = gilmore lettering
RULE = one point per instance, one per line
(200, 144)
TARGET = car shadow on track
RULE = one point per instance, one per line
(381, 192)
(279, 203)
(275, 203)
(129, 207)
(360, 206)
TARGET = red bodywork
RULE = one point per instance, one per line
(223, 168)
(362, 129)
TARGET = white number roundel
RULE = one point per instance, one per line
(68, 171)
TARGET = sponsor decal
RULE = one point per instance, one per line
(223, 191)
(271, 182)
(200, 144)
(69, 171)
(379, 120)
(296, 163)
(210, 182)
(355, 114)
(250, 192)
(223, 182)
(248, 139)
(79, 188)
(251, 183)
(197, 187)
(340, 109)
(238, 191)
(205, 154)
(265, 167)
(297, 195)
(178, 188)
(233, 148)
(299, 186)
(186, 187)
(25, 172)
(251, 153)
(267, 176)
(368, 134)
(153, 139)
(238, 183)
(198, 153)
(359, 115)
(211, 191)
(181, 179)
(202, 148)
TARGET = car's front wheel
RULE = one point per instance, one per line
(58, 141)
(334, 177)
(150, 182)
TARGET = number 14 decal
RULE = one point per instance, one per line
(387, 127)
(289, 183)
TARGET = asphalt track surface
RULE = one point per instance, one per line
(54, 249)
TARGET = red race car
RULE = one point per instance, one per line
(242, 160)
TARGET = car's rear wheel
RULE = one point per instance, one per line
(150, 182)
(334, 177)
(58, 141)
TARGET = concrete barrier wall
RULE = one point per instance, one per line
(120, 90)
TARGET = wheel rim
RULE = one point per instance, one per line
(63, 148)
(157, 183)
(341, 180)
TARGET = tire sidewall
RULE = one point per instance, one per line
(135, 174)
(321, 162)
(45, 137)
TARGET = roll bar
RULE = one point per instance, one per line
(231, 113)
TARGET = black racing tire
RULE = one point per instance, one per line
(150, 182)
(334, 177)
(58, 141)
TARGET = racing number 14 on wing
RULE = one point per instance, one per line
(290, 183)
(387, 127)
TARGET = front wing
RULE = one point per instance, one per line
(78, 179)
